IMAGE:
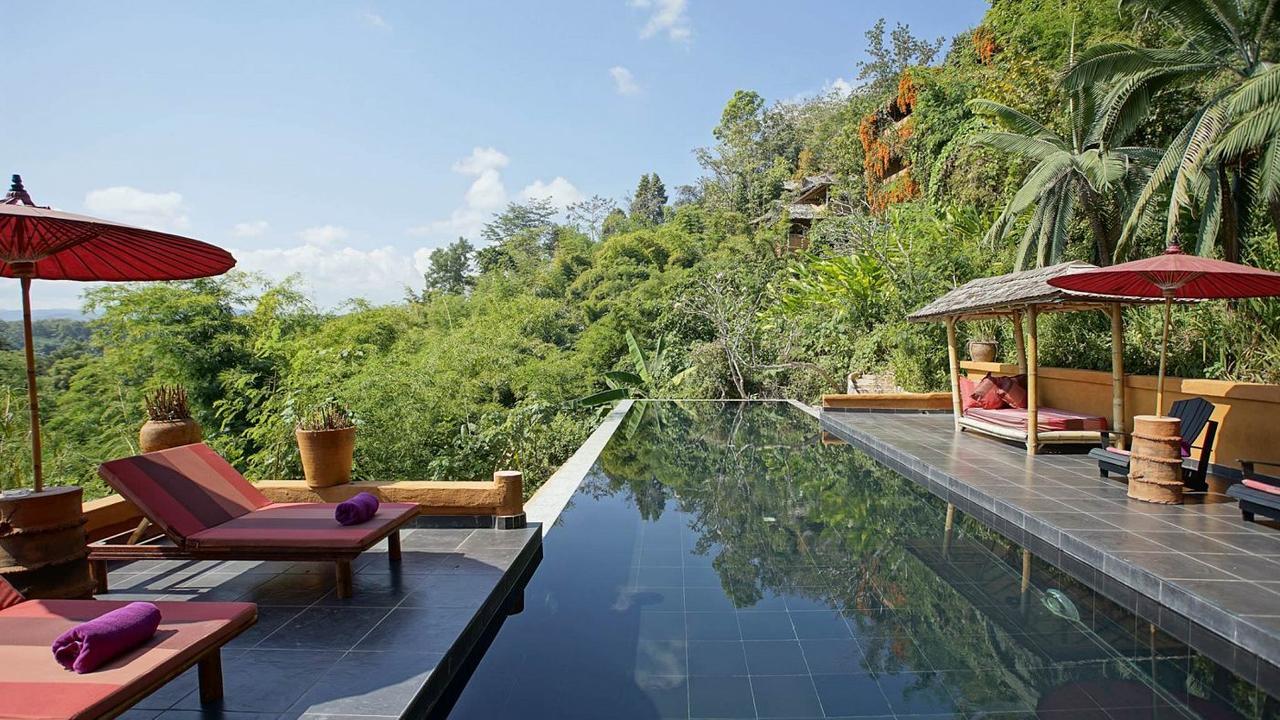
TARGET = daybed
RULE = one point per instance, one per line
(1054, 426)
(210, 512)
(33, 686)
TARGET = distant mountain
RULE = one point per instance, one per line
(45, 314)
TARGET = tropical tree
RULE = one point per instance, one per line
(1088, 170)
(1223, 47)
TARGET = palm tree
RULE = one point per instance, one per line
(1222, 48)
(1089, 170)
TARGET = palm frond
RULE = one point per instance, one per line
(1105, 62)
(1031, 148)
(1215, 24)
(1254, 110)
(1209, 124)
(1042, 179)
(1128, 103)
(1161, 175)
(1013, 120)
(1210, 213)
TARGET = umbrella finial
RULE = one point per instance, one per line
(1173, 249)
(17, 194)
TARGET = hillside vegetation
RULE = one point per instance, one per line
(1049, 132)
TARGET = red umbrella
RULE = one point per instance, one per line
(1173, 275)
(37, 242)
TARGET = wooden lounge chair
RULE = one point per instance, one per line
(34, 686)
(1261, 493)
(210, 512)
(1195, 414)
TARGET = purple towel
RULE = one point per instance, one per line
(94, 643)
(358, 509)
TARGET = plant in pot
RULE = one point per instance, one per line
(327, 443)
(169, 423)
(983, 346)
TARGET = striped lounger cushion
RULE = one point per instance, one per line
(33, 686)
(1048, 419)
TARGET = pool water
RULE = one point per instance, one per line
(719, 561)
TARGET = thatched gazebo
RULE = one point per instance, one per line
(1015, 296)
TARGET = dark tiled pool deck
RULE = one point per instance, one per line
(389, 651)
(1199, 560)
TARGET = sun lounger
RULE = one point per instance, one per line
(1258, 493)
(33, 686)
(208, 511)
(1195, 414)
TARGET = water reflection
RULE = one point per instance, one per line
(721, 560)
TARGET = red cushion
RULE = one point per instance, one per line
(33, 685)
(183, 490)
(1264, 487)
(9, 595)
(309, 525)
(966, 394)
(987, 394)
(1013, 390)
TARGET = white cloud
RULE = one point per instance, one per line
(157, 211)
(666, 16)
(486, 195)
(839, 87)
(323, 235)
(624, 83)
(332, 275)
(253, 228)
(373, 19)
(559, 191)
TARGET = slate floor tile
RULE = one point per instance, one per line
(324, 628)
(420, 630)
(381, 683)
(267, 680)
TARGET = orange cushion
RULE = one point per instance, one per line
(299, 525)
(183, 490)
(33, 686)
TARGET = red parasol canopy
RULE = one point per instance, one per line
(37, 242)
(1173, 275)
(1187, 276)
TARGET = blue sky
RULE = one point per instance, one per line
(344, 140)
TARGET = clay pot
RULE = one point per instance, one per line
(164, 434)
(326, 455)
(982, 350)
(42, 543)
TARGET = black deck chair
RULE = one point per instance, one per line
(1253, 500)
(1194, 414)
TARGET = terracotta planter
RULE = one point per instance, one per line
(326, 455)
(164, 434)
(982, 350)
(1155, 466)
(42, 543)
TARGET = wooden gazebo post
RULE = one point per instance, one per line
(953, 358)
(1117, 371)
(1033, 391)
(1019, 342)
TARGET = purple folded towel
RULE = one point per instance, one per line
(358, 509)
(94, 643)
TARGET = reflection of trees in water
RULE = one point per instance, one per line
(781, 514)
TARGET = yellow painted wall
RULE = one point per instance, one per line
(1248, 414)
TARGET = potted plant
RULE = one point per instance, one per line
(169, 422)
(327, 442)
(983, 347)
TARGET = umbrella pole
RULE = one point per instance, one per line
(1164, 351)
(33, 399)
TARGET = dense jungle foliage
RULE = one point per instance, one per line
(1052, 131)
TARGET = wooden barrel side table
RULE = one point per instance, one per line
(1155, 465)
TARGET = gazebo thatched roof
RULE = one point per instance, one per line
(1004, 294)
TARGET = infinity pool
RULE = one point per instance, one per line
(720, 562)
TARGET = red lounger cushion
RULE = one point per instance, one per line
(966, 394)
(1047, 419)
(300, 525)
(987, 394)
(1264, 487)
(33, 686)
(183, 490)
(1013, 390)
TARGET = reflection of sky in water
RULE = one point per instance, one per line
(720, 562)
